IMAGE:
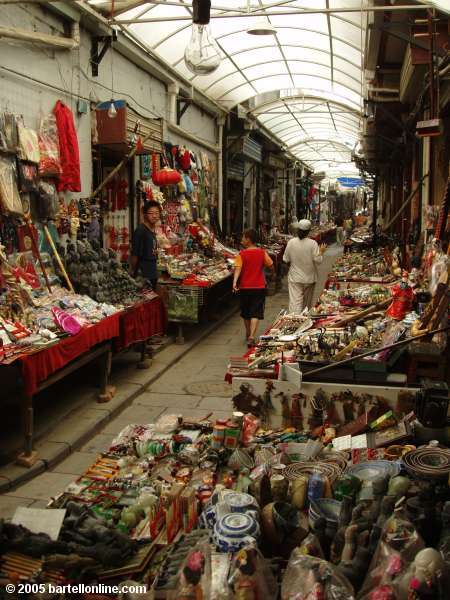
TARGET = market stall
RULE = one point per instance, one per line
(365, 308)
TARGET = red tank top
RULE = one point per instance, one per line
(252, 273)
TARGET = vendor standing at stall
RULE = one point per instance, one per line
(250, 281)
(145, 245)
(303, 255)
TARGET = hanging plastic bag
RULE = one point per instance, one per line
(28, 144)
(50, 163)
(10, 201)
(48, 200)
(8, 132)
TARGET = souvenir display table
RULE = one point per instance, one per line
(349, 320)
(321, 491)
(140, 322)
(190, 303)
(324, 234)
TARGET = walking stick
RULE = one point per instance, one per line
(58, 258)
(36, 252)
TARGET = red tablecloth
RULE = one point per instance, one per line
(141, 322)
(39, 366)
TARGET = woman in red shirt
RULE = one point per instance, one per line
(249, 271)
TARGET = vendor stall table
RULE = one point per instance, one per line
(190, 303)
(45, 366)
(140, 322)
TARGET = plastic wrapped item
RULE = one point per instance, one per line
(249, 428)
(166, 424)
(10, 201)
(399, 543)
(28, 144)
(310, 546)
(311, 578)
(195, 576)
(8, 132)
(251, 577)
(49, 163)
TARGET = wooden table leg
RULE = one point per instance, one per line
(29, 456)
(144, 362)
(180, 337)
(106, 391)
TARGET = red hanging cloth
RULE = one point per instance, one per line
(68, 148)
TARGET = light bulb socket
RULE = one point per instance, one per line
(201, 12)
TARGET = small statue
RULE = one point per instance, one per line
(285, 410)
(191, 588)
(296, 412)
(244, 580)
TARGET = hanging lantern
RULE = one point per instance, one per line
(164, 176)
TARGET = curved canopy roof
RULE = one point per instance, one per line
(314, 63)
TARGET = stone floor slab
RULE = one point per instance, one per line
(77, 463)
(98, 444)
(221, 404)
(43, 486)
(8, 505)
(167, 400)
(52, 452)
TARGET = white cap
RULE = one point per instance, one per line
(304, 225)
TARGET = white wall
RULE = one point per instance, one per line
(70, 73)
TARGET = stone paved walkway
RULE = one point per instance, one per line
(204, 366)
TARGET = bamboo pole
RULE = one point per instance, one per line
(58, 258)
(117, 168)
(371, 352)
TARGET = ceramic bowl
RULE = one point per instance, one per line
(325, 507)
(373, 469)
(240, 502)
(236, 525)
(227, 544)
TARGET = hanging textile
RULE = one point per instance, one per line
(68, 148)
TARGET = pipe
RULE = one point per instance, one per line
(316, 11)
(220, 124)
(57, 42)
(382, 90)
(192, 137)
(172, 92)
(377, 98)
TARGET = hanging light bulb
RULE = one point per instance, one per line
(112, 112)
(202, 54)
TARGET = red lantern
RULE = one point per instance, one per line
(165, 176)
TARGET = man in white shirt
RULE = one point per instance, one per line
(303, 255)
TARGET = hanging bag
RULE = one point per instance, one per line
(10, 201)
(28, 144)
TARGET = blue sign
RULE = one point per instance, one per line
(350, 182)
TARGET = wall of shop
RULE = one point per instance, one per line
(33, 78)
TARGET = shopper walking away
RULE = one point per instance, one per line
(145, 246)
(250, 282)
(303, 255)
(340, 233)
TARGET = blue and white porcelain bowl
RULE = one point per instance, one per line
(227, 544)
(237, 525)
(208, 517)
(240, 502)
